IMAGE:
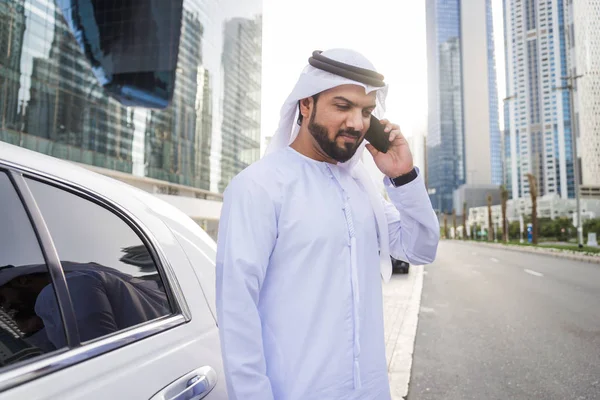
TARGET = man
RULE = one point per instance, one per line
(303, 237)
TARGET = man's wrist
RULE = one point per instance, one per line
(404, 178)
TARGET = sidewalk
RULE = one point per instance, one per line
(566, 254)
(401, 301)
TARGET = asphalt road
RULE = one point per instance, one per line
(498, 324)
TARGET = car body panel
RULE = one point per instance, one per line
(140, 369)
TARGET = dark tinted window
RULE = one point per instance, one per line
(112, 278)
(30, 322)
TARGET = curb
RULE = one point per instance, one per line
(400, 365)
(564, 254)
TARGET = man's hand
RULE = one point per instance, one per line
(398, 160)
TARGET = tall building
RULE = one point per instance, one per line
(586, 57)
(51, 101)
(12, 30)
(445, 148)
(464, 145)
(241, 103)
(480, 94)
(539, 118)
(174, 140)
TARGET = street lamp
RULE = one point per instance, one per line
(504, 166)
(570, 87)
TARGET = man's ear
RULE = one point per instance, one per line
(306, 107)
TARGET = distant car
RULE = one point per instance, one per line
(125, 288)
(400, 265)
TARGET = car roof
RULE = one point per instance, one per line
(137, 202)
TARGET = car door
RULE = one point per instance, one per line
(122, 312)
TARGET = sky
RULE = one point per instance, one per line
(390, 33)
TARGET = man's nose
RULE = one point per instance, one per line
(355, 121)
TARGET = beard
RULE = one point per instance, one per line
(330, 147)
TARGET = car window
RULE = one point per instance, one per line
(112, 277)
(25, 286)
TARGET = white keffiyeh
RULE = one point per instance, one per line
(313, 81)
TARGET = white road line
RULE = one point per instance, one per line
(473, 254)
(495, 260)
(534, 273)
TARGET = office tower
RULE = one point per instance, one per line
(538, 115)
(463, 136)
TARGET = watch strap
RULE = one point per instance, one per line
(404, 179)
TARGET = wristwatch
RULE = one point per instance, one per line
(404, 179)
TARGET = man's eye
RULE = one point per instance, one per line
(367, 114)
(342, 107)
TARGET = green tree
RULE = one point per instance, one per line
(563, 228)
(514, 229)
(557, 229)
(546, 228)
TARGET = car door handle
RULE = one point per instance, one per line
(194, 385)
(197, 388)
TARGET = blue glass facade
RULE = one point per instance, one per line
(52, 102)
(564, 98)
(445, 138)
(446, 158)
(132, 48)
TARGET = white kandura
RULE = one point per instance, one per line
(303, 247)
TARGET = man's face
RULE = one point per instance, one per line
(340, 119)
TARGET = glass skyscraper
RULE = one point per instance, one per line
(51, 102)
(445, 147)
(464, 145)
(539, 116)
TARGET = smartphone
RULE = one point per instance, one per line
(377, 136)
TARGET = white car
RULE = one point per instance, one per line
(106, 292)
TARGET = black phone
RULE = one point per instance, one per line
(377, 136)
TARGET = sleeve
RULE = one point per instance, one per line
(93, 311)
(413, 227)
(247, 234)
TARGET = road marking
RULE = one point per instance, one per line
(473, 254)
(495, 260)
(534, 273)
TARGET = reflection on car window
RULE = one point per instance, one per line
(112, 278)
(25, 286)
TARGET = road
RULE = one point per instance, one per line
(499, 324)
